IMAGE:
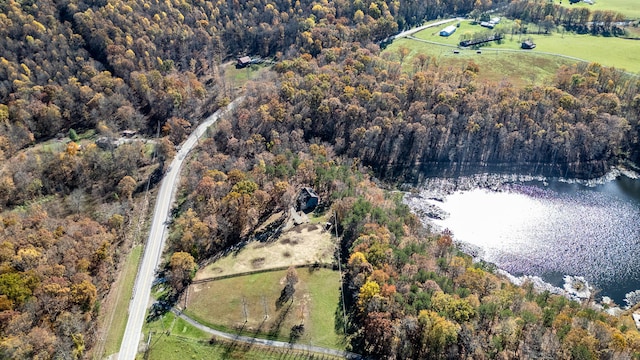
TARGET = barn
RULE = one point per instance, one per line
(448, 30)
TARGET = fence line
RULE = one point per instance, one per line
(279, 268)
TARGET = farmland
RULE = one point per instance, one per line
(506, 61)
(248, 305)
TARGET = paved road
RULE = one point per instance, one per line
(420, 28)
(155, 244)
(266, 342)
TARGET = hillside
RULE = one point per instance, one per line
(78, 78)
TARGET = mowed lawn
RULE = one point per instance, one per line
(608, 51)
(174, 339)
(630, 8)
(224, 304)
(521, 67)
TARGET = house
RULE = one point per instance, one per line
(307, 200)
(528, 44)
(495, 20)
(448, 30)
(243, 62)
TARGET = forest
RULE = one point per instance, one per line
(334, 114)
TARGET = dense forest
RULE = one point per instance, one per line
(411, 294)
(335, 112)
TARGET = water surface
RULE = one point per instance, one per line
(555, 229)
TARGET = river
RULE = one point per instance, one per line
(550, 229)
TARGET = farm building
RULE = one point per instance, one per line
(528, 44)
(487, 24)
(448, 30)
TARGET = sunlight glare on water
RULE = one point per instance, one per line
(531, 230)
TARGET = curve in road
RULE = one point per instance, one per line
(157, 236)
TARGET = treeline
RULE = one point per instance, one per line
(580, 19)
(53, 273)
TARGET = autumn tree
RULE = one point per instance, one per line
(291, 279)
(126, 186)
(182, 268)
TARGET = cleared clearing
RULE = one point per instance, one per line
(609, 51)
(248, 305)
(174, 338)
(629, 8)
(304, 244)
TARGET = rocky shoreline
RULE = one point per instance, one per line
(424, 203)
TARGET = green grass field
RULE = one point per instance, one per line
(518, 68)
(612, 52)
(521, 68)
(629, 8)
(219, 304)
(608, 51)
(238, 77)
(174, 339)
(125, 288)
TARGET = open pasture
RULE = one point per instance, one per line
(304, 244)
(629, 8)
(175, 339)
(518, 68)
(506, 61)
(249, 305)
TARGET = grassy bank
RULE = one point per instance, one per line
(124, 291)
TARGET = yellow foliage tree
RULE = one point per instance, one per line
(367, 291)
(437, 332)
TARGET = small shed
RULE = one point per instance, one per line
(243, 61)
(448, 30)
(307, 200)
(528, 44)
(495, 20)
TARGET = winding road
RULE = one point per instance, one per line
(267, 342)
(157, 236)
